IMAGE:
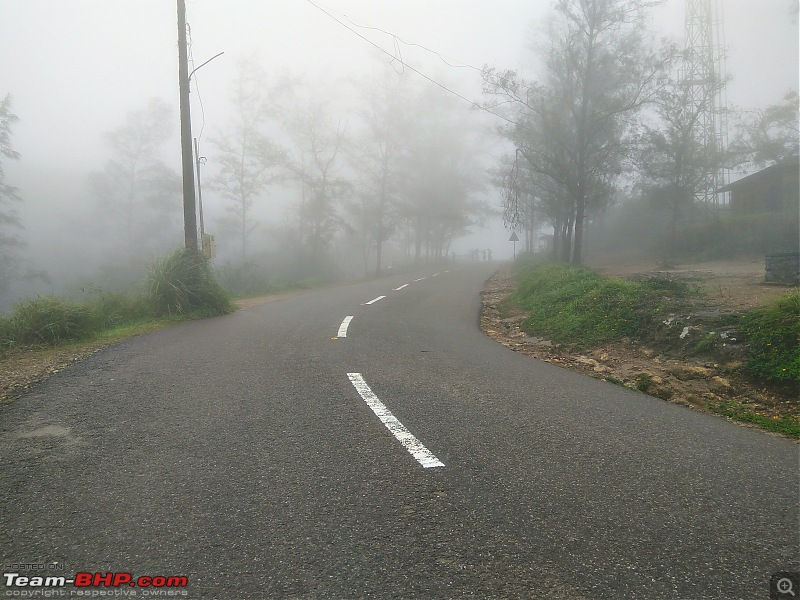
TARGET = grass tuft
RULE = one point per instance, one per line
(773, 339)
(788, 425)
(182, 283)
(48, 320)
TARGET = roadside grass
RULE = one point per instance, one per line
(582, 310)
(773, 339)
(578, 307)
(787, 425)
(179, 286)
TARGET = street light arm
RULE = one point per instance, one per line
(205, 63)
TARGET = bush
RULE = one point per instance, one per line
(773, 339)
(112, 310)
(181, 283)
(50, 320)
(7, 334)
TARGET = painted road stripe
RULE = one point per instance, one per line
(401, 287)
(420, 279)
(376, 299)
(435, 275)
(424, 456)
(343, 327)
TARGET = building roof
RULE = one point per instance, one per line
(792, 162)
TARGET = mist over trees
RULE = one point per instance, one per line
(671, 163)
(10, 243)
(610, 120)
(771, 135)
(322, 176)
(381, 162)
(248, 160)
(14, 266)
(573, 128)
(136, 192)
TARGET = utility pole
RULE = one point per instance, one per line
(189, 209)
(200, 160)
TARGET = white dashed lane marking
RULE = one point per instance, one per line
(423, 456)
(343, 327)
(374, 300)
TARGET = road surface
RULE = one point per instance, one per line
(285, 451)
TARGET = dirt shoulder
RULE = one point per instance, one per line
(20, 369)
(703, 383)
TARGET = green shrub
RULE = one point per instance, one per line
(773, 340)
(181, 283)
(51, 320)
(8, 335)
(112, 310)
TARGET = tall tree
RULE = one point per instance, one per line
(671, 160)
(441, 174)
(139, 193)
(377, 154)
(9, 221)
(572, 127)
(248, 158)
(314, 160)
(771, 135)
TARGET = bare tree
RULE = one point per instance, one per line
(137, 190)
(441, 175)
(248, 159)
(9, 221)
(377, 155)
(314, 159)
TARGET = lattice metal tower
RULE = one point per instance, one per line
(704, 76)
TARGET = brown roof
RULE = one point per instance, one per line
(768, 172)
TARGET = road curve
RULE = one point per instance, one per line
(242, 453)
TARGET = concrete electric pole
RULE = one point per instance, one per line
(189, 208)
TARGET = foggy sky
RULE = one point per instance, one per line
(75, 68)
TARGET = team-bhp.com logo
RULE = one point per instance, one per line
(17, 584)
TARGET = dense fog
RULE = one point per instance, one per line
(337, 139)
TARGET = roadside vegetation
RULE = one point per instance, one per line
(179, 286)
(578, 307)
(581, 310)
(773, 338)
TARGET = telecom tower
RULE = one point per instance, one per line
(704, 76)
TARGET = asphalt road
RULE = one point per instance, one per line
(245, 453)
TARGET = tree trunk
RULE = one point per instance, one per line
(577, 253)
(557, 231)
(566, 239)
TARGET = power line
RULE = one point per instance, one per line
(445, 59)
(397, 38)
(409, 67)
